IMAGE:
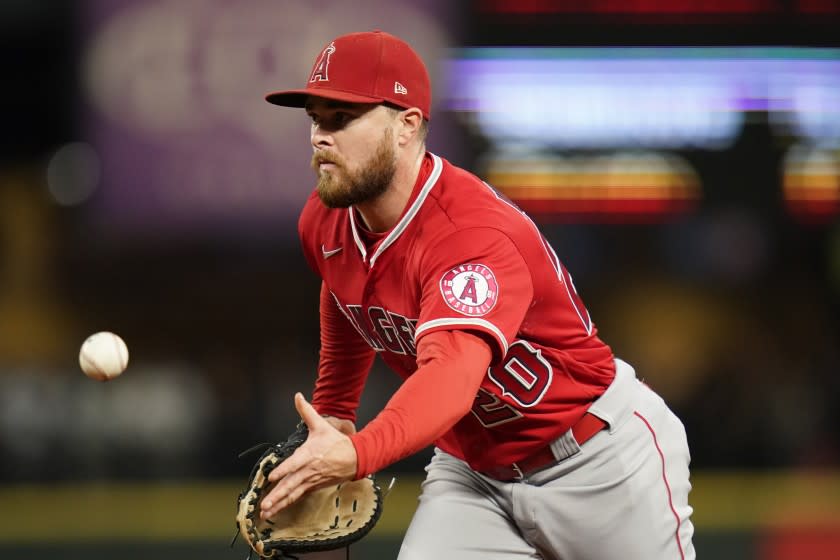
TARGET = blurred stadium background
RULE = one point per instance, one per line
(682, 156)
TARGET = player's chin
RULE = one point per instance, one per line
(333, 197)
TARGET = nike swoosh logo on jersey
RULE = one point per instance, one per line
(330, 253)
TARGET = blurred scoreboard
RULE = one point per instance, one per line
(660, 8)
(592, 110)
(698, 22)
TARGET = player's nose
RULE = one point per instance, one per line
(320, 138)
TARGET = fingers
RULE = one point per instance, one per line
(291, 475)
(327, 457)
(307, 413)
(302, 456)
(287, 467)
(284, 494)
(289, 489)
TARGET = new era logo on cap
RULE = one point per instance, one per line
(368, 67)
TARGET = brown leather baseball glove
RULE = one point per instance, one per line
(324, 519)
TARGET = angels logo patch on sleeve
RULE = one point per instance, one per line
(470, 289)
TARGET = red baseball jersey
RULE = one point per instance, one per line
(461, 257)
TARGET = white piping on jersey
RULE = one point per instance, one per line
(340, 308)
(437, 168)
(553, 258)
(586, 325)
(356, 238)
(549, 250)
(464, 322)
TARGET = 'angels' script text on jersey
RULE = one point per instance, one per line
(382, 329)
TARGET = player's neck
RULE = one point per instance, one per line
(383, 213)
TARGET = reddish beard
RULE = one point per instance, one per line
(341, 188)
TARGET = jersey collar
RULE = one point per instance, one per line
(402, 224)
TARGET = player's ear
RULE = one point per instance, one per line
(411, 120)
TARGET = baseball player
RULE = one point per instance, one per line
(546, 445)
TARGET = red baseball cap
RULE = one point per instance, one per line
(368, 67)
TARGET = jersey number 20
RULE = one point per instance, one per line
(523, 378)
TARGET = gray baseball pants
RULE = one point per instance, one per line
(623, 495)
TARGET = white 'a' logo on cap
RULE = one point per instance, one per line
(319, 73)
(399, 88)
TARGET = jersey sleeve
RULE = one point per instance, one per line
(305, 225)
(343, 364)
(477, 280)
(427, 404)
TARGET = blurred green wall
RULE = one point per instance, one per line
(738, 515)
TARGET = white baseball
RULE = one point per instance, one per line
(103, 356)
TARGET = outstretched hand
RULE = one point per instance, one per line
(327, 457)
